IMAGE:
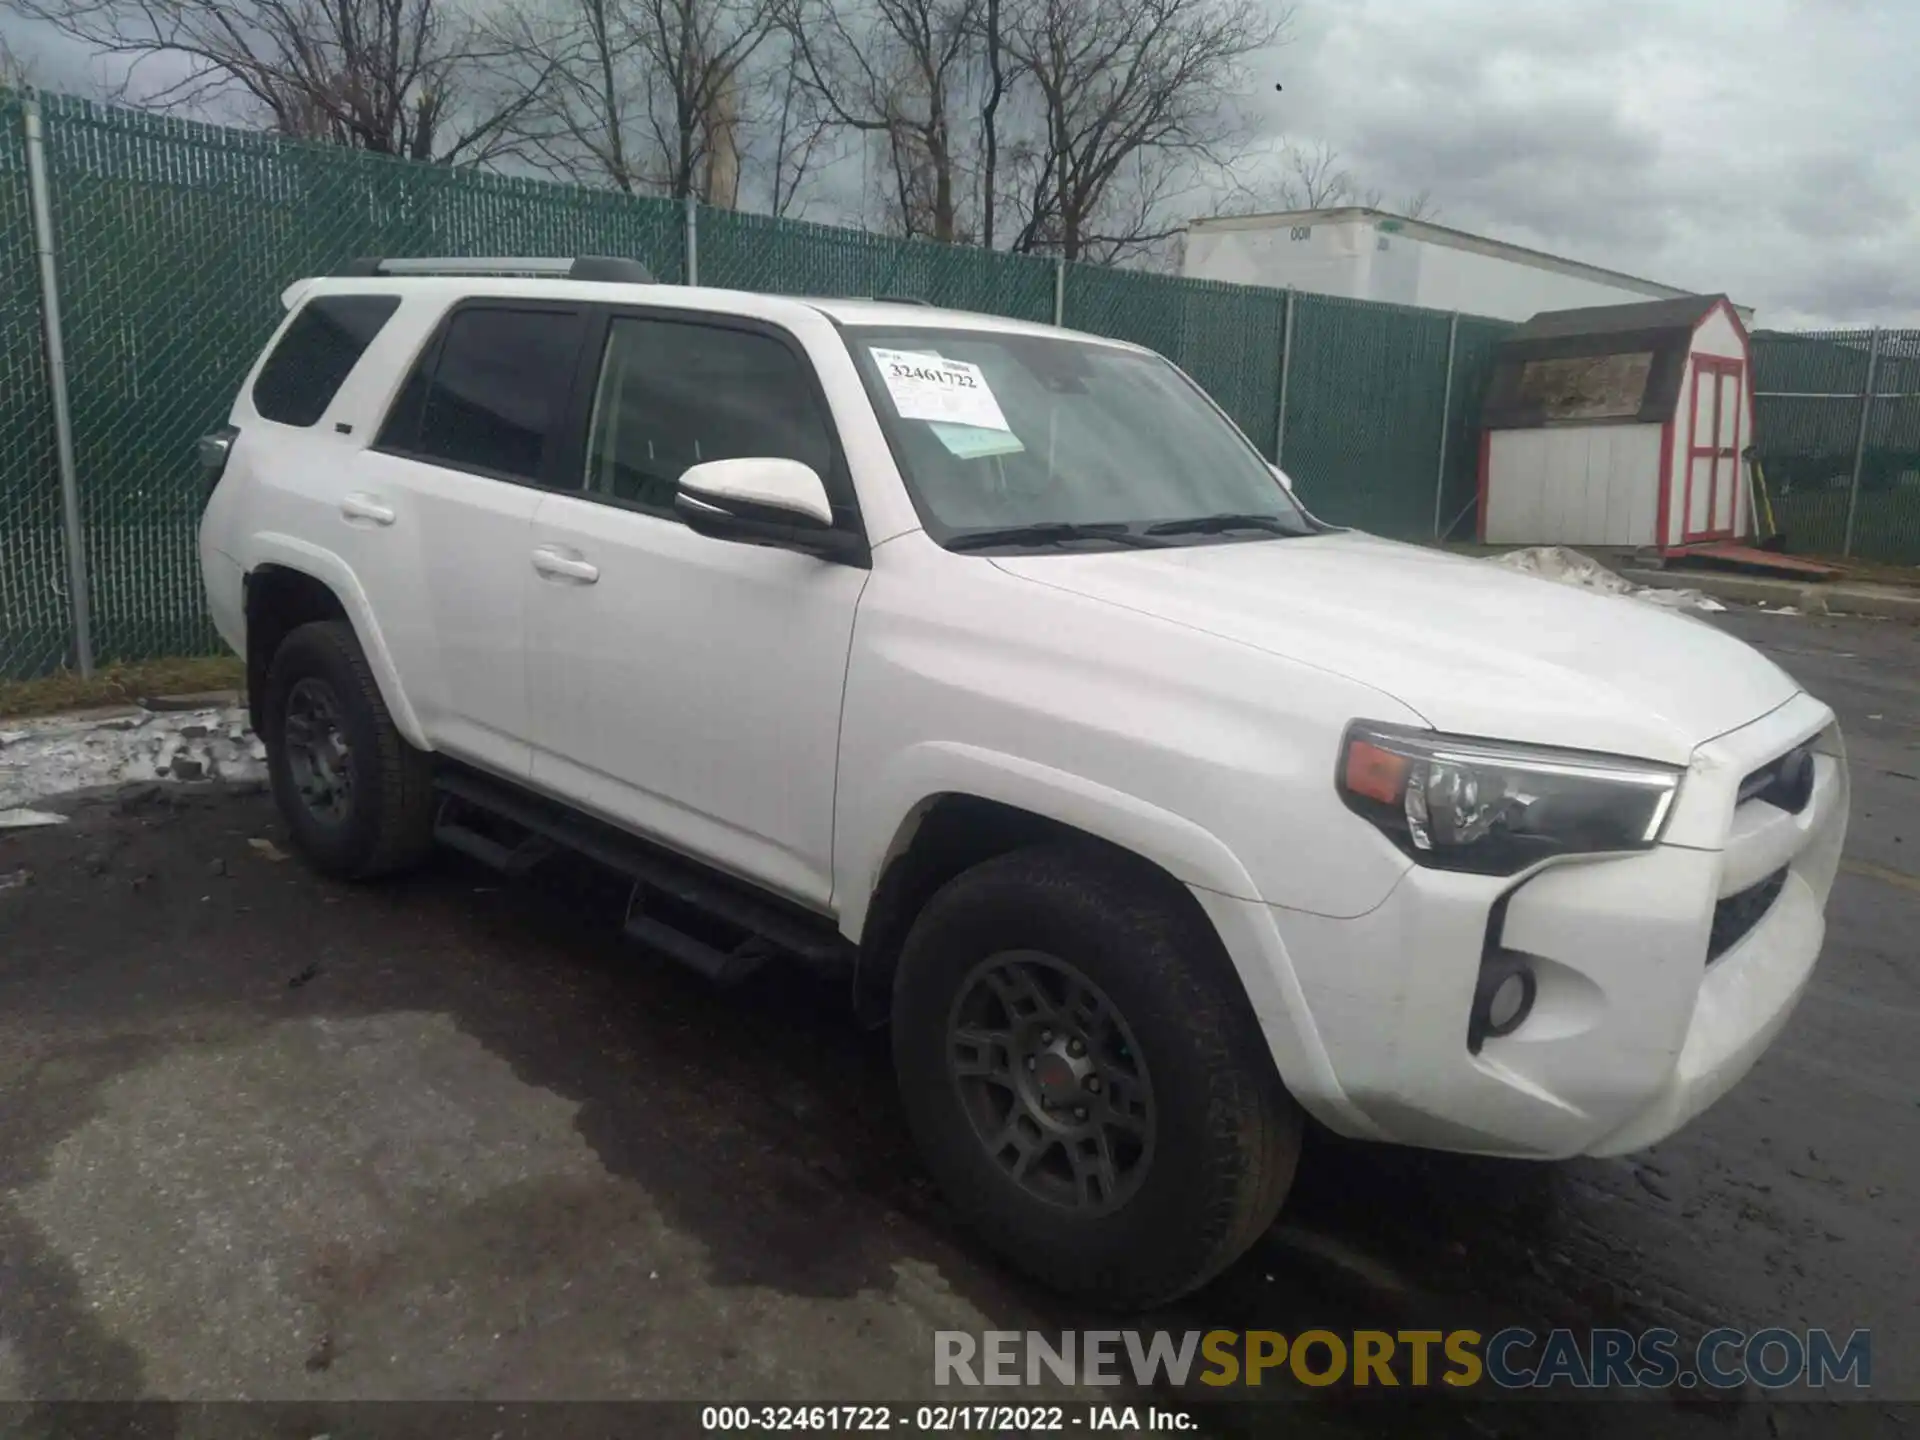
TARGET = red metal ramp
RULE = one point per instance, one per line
(1728, 555)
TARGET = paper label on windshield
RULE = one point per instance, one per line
(927, 387)
(971, 442)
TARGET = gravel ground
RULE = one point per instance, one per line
(266, 1136)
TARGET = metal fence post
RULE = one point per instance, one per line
(693, 241)
(41, 200)
(1860, 442)
(1060, 290)
(1446, 423)
(1286, 365)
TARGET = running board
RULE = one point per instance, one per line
(772, 925)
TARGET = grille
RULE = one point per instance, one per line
(1736, 915)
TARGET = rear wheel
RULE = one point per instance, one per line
(1085, 1078)
(357, 798)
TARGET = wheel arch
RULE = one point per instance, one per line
(949, 807)
(290, 583)
(941, 807)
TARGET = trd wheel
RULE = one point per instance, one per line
(356, 797)
(319, 761)
(1085, 1078)
(1050, 1075)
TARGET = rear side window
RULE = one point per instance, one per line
(317, 353)
(491, 393)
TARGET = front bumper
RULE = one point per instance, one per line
(1633, 1031)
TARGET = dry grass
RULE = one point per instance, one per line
(120, 684)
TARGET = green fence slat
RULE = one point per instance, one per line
(35, 625)
(1365, 406)
(1808, 389)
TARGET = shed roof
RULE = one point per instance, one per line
(1600, 365)
(1682, 313)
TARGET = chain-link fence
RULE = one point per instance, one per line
(1837, 436)
(174, 240)
(35, 623)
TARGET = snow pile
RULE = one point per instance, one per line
(60, 754)
(1570, 567)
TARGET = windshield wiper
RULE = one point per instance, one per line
(1218, 524)
(1047, 532)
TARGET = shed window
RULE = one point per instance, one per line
(1587, 387)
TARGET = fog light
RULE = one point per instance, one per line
(1502, 999)
(1511, 999)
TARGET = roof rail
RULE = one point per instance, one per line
(609, 268)
(900, 300)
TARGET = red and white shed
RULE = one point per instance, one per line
(1619, 425)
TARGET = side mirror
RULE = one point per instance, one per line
(1286, 480)
(763, 501)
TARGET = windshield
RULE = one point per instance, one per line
(1042, 439)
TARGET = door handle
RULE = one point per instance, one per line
(549, 561)
(365, 507)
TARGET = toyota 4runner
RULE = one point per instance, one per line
(992, 663)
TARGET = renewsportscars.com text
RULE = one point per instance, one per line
(1511, 1359)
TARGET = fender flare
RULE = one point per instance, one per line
(904, 787)
(276, 548)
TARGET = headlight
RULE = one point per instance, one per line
(1461, 804)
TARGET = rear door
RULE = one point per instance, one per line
(441, 508)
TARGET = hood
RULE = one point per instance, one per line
(1474, 648)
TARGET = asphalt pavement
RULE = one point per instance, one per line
(266, 1136)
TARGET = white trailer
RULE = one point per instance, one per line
(1365, 254)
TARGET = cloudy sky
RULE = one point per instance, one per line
(1767, 148)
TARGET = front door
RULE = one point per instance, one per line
(1713, 448)
(688, 688)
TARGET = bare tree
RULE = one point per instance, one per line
(414, 78)
(1420, 206)
(16, 70)
(1142, 88)
(896, 71)
(1315, 177)
(797, 128)
(696, 51)
(642, 95)
(996, 60)
(587, 122)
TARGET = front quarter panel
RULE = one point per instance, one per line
(1212, 759)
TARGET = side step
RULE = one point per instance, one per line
(773, 926)
(507, 859)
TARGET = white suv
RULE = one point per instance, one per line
(992, 662)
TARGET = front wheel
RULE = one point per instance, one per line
(1085, 1078)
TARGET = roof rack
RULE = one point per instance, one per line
(608, 268)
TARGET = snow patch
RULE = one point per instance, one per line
(40, 759)
(1570, 567)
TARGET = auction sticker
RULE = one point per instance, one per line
(929, 387)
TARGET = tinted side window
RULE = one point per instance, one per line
(497, 391)
(317, 353)
(673, 394)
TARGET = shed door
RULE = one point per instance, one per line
(1713, 448)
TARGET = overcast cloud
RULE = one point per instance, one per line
(1766, 148)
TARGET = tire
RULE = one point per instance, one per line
(319, 685)
(1179, 1202)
